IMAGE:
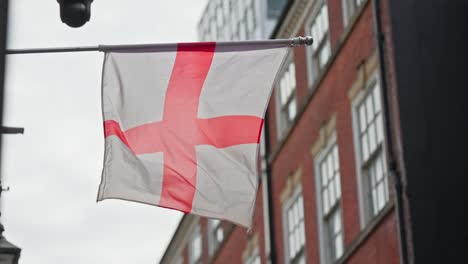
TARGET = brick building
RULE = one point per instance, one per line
(332, 199)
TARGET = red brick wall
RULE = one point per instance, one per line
(335, 16)
(330, 97)
(381, 246)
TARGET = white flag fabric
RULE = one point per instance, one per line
(182, 126)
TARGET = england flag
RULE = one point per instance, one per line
(182, 125)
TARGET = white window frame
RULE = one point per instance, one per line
(215, 228)
(365, 215)
(253, 258)
(350, 8)
(283, 122)
(193, 259)
(325, 252)
(290, 201)
(312, 72)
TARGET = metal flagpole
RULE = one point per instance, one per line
(51, 50)
(294, 42)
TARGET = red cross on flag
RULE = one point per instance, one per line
(182, 125)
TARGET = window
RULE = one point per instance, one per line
(294, 229)
(213, 29)
(320, 51)
(287, 98)
(254, 258)
(330, 222)
(349, 9)
(215, 234)
(251, 18)
(195, 249)
(371, 162)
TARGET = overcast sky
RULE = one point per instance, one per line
(54, 169)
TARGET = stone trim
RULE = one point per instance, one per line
(294, 179)
(252, 245)
(293, 21)
(365, 71)
(326, 131)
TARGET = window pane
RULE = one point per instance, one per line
(296, 213)
(325, 201)
(365, 150)
(362, 117)
(298, 240)
(318, 23)
(215, 222)
(292, 71)
(287, 96)
(220, 234)
(242, 33)
(240, 10)
(292, 109)
(325, 17)
(337, 223)
(337, 186)
(372, 176)
(330, 167)
(378, 122)
(374, 201)
(228, 28)
(323, 56)
(301, 208)
(213, 30)
(219, 16)
(257, 260)
(372, 138)
(381, 195)
(327, 51)
(324, 174)
(302, 232)
(379, 169)
(249, 18)
(377, 98)
(290, 221)
(339, 246)
(335, 158)
(385, 188)
(370, 110)
(332, 194)
(314, 33)
(301, 260)
(287, 84)
(291, 247)
(195, 248)
(283, 95)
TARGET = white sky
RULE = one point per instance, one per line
(54, 169)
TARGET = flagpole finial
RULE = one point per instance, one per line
(297, 41)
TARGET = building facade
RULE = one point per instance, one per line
(224, 20)
(332, 196)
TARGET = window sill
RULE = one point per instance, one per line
(366, 233)
(315, 85)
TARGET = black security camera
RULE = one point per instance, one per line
(75, 13)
